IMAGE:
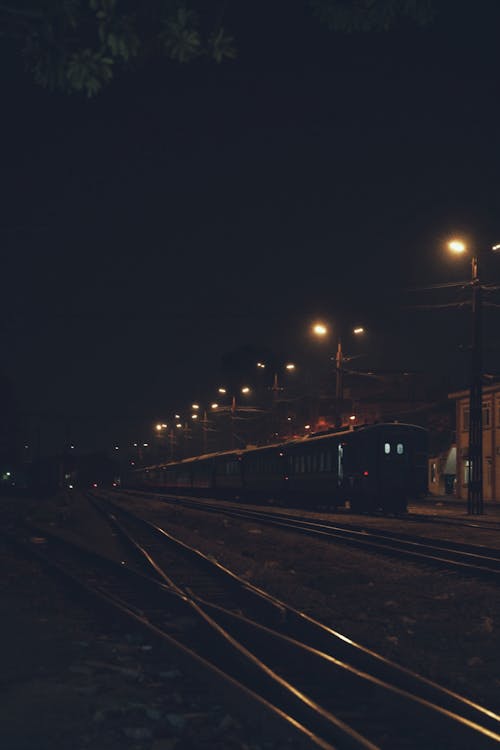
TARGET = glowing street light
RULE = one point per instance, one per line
(320, 329)
(475, 468)
(457, 246)
(475, 458)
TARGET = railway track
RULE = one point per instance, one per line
(386, 704)
(467, 559)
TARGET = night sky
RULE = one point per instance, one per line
(189, 211)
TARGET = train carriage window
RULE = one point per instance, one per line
(321, 461)
(340, 464)
(387, 448)
(400, 449)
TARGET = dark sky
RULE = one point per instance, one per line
(189, 211)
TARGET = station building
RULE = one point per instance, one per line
(491, 442)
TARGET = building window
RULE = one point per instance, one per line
(466, 466)
(433, 473)
(489, 471)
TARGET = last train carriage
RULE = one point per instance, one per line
(374, 467)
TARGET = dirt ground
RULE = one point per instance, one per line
(82, 685)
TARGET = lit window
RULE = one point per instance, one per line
(400, 449)
(387, 447)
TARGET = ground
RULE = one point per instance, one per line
(70, 680)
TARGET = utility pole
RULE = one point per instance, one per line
(339, 383)
(475, 472)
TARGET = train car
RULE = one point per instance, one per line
(374, 467)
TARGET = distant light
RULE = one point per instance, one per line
(194, 416)
(352, 417)
(26, 446)
(365, 473)
(289, 419)
(222, 390)
(94, 484)
(116, 448)
(177, 416)
(457, 246)
(70, 486)
(307, 427)
(135, 445)
(214, 406)
(158, 427)
(72, 447)
(178, 425)
(290, 366)
(261, 365)
(145, 445)
(245, 389)
(195, 406)
(320, 329)
(496, 248)
(358, 330)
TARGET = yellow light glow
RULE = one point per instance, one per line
(195, 406)
(359, 330)
(307, 427)
(158, 427)
(245, 389)
(290, 366)
(457, 246)
(222, 390)
(319, 329)
(194, 416)
(352, 417)
(178, 425)
(215, 406)
(261, 365)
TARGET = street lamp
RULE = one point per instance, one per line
(275, 388)
(321, 330)
(475, 469)
(245, 390)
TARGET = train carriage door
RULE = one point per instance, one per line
(394, 454)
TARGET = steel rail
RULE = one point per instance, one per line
(481, 561)
(186, 626)
(297, 626)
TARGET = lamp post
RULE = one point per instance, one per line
(245, 390)
(275, 389)
(475, 504)
(321, 330)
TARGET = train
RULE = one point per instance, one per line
(378, 467)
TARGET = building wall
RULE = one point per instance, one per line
(491, 442)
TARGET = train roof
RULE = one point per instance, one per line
(294, 442)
